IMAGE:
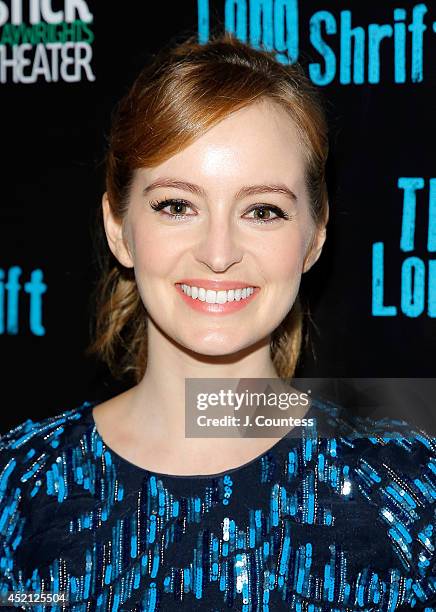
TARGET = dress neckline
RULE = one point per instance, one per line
(276, 447)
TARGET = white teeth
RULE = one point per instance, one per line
(217, 297)
(221, 297)
(210, 296)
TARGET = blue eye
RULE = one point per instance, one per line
(159, 206)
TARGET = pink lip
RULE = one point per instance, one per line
(227, 308)
(215, 285)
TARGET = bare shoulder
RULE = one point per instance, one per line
(110, 415)
(113, 406)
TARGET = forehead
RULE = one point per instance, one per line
(258, 142)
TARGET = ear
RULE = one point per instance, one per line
(315, 249)
(114, 234)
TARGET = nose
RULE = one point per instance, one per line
(218, 248)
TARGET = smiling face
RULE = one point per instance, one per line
(237, 210)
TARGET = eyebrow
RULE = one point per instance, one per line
(247, 190)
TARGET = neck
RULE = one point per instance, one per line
(158, 401)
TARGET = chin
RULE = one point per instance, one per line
(217, 344)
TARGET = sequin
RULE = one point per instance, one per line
(316, 523)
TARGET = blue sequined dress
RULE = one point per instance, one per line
(339, 523)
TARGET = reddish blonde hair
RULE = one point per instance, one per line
(182, 92)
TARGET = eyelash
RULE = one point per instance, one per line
(281, 214)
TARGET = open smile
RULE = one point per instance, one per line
(226, 300)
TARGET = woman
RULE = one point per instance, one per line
(216, 204)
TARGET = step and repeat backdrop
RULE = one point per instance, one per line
(63, 66)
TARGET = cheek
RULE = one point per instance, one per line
(281, 255)
(152, 254)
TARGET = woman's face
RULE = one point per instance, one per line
(215, 229)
